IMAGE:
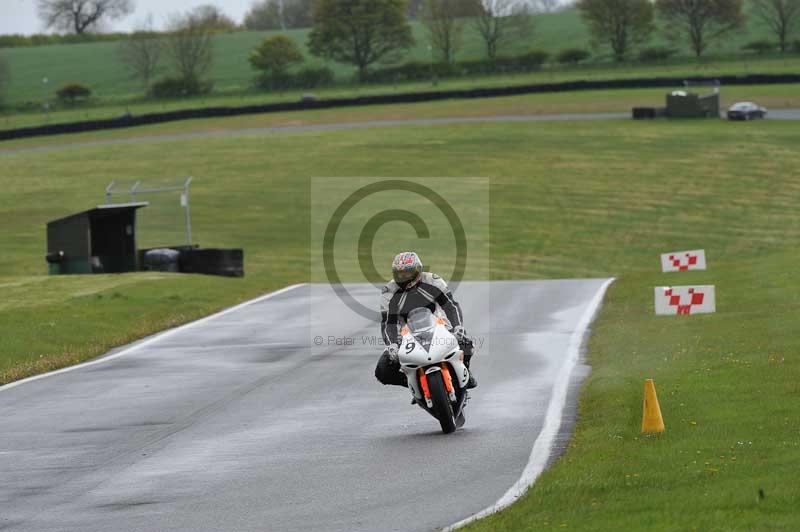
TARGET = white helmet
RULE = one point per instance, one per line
(406, 269)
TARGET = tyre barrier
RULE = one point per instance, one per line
(644, 113)
(225, 262)
(193, 259)
(129, 120)
(161, 260)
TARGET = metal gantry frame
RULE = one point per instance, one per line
(136, 188)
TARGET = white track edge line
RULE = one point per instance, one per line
(543, 444)
(158, 336)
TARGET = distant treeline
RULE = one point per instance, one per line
(15, 41)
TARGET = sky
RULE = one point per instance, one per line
(19, 16)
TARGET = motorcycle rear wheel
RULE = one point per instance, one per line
(442, 408)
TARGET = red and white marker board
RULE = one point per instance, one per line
(677, 300)
(681, 261)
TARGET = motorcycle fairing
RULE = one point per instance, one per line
(443, 347)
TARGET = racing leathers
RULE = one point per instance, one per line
(431, 292)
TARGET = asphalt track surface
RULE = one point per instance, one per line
(778, 114)
(242, 422)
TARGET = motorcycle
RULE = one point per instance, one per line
(434, 366)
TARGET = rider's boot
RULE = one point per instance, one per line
(472, 382)
(468, 347)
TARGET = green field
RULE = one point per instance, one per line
(567, 200)
(114, 92)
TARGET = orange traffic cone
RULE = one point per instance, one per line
(652, 422)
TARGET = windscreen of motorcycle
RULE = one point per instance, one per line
(422, 324)
(420, 320)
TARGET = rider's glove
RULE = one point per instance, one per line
(459, 333)
(392, 350)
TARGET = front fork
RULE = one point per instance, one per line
(426, 391)
(448, 384)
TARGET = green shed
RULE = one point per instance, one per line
(686, 104)
(100, 240)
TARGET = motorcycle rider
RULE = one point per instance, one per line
(413, 288)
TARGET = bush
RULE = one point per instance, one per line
(275, 55)
(305, 78)
(501, 65)
(410, 71)
(275, 81)
(312, 78)
(796, 47)
(180, 88)
(421, 71)
(652, 55)
(476, 67)
(572, 56)
(532, 60)
(527, 62)
(72, 93)
(760, 47)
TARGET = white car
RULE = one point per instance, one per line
(746, 111)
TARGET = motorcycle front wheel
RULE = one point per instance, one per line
(442, 408)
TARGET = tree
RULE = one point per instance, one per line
(190, 46)
(414, 8)
(80, 16)
(782, 17)
(359, 32)
(265, 15)
(440, 17)
(280, 14)
(212, 18)
(619, 24)
(273, 57)
(298, 13)
(142, 52)
(501, 21)
(702, 21)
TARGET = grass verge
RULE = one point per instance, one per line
(728, 389)
(567, 200)
(50, 323)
